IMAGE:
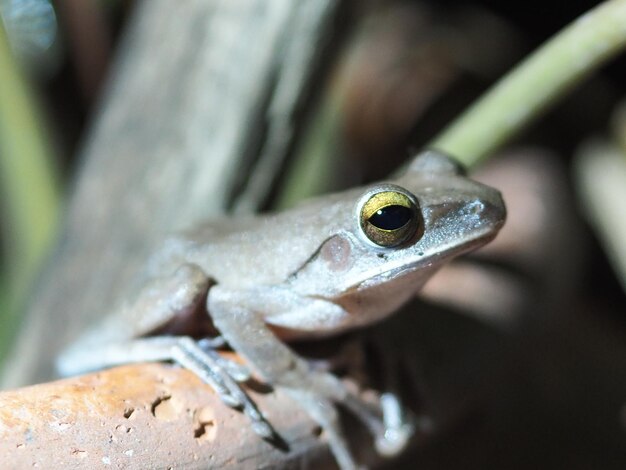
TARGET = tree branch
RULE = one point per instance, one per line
(145, 416)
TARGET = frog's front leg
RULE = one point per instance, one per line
(237, 316)
(119, 340)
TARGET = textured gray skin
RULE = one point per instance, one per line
(309, 271)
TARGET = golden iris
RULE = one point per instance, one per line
(390, 218)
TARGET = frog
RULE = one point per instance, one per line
(327, 266)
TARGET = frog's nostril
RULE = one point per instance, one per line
(476, 207)
(494, 209)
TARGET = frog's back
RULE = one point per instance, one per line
(257, 250)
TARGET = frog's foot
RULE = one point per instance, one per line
(324, 412)
(202, 360)
(391, 425)
(388, 422)
(215, 371)
(319, 393)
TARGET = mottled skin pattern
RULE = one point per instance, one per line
(309, 271)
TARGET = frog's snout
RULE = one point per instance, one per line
(489, 207)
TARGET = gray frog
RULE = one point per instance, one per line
(332, 264)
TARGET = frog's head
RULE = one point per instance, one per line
(400, 232)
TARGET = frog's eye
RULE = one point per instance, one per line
(390, 217)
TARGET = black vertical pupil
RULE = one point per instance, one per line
(391, 217)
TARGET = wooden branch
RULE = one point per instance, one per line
(146, 416)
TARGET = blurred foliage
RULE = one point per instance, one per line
(28, 188)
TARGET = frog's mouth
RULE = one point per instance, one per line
(423, 262)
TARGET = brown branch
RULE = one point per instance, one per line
(146, 416)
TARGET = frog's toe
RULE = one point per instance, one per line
(211, 343)
(263, 429)
(394, 440)
(398, 428)
(236, 371)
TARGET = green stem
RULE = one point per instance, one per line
(536, 83)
